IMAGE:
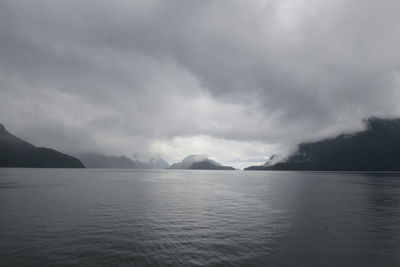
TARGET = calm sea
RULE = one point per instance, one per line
(60, 217)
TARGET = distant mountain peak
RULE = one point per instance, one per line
(2, 128)
(157, 163)
(194, 157)
(96, 160)
(199, 162)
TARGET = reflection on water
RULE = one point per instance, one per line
(198, 218)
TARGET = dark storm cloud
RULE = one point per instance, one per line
(132, 76)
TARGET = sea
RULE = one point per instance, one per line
(100, 217)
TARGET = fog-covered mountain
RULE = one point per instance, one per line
(99, 161)
(157, 163)
(94, 160)
(15, 152)
(199, 162)
(377, 148)
(272, 160)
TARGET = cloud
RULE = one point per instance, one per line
(240, 79)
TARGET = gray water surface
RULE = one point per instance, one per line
(60, 217)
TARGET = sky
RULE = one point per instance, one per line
(237, 80)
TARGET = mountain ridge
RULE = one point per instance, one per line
(199, 162)
(377, 148)
(16, 152)
(100, 161)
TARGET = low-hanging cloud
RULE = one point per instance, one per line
(248, 78)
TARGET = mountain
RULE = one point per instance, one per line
(199, 162)
(209, 165)
(272, 160)
(187, 162)
(157, 163)
(15, 152)
(377, 148)
(99, 161)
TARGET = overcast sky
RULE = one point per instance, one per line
(236, 80)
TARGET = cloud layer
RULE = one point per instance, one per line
(237, 80)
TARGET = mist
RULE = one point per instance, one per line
(235, 80)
